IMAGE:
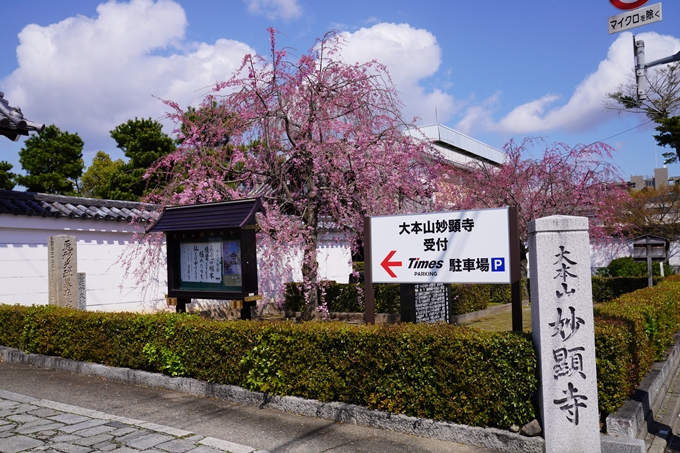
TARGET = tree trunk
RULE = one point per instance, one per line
(310, 267)
(310, 264)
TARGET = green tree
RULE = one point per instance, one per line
(661, 106)
(6, 177)
(53, 161)
(143, 142)
(669, 135)
(95, 181)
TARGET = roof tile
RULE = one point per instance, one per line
(58, 206)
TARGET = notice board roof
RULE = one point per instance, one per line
(223, 214)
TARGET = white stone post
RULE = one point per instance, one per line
(563, 333)
(63, 271)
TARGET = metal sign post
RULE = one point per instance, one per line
(369, 294)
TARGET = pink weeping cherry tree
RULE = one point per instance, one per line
(562, 180)
(320, 140)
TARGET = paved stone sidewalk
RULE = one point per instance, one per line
(36, 425)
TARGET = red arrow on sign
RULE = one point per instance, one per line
(628, 4)
(386, 264)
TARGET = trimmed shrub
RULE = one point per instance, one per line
(614, 362)
(344, 298)
(440, 372)
(632, 332)
(628, 267)
(469, 298)
(500, 294)
(387, 298)
(608, 288)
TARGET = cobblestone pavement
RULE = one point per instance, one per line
(37, 425)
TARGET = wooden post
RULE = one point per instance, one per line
(181, 306)
(369, 295)
(650, 271)
(515, 274)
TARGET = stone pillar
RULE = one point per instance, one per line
(82, 292)
(563, 333)
(63, 271)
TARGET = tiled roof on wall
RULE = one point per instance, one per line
(59, 206)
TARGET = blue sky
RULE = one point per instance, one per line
(495, 70)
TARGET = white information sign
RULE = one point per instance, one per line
(442, 247)
(201, 262)
(635, 18)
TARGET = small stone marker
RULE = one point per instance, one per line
(63, 271)
(432, 303)
(425, 302)
(82, 294)
(563, 333)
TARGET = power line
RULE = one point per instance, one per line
(627, 130)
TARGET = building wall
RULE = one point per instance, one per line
(335, 261)
(602, 255)
(23, 263)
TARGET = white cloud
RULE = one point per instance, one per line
(88, 75)
(585, 109)
(478, 117)
(410, 55)
(274, 9)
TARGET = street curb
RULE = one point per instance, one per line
(334, 411)
(634, 417)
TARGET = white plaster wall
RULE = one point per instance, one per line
(602, 255)
(333, 255)
(335, 258)
(23, 263)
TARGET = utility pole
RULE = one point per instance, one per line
(641, 67)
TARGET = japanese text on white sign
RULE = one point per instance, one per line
(443, 247)
(201, 262)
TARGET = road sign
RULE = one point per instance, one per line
(636, 18)
(441, 247)
(628, 4)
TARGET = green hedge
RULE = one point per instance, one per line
(608, 288)
(345, 297)
(614, 363)
(469, 298)
(632, 332)
(441, 372)
(628, 267)
(348, 297)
